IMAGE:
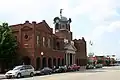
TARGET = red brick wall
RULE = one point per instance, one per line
(81, 53)
(64, 34)
(29, 47)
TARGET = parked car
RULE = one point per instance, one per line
(60, 69)
(116, 64)
(19, 71)
(75, 67)
(46, 71)
(98, 66)
(54, 69)
(69, 69)
(90, 66)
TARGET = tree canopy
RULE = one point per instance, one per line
(8, 43)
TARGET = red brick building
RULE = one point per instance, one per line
(40, 47)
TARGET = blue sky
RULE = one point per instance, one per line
(96, 20)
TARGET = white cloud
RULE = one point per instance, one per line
(99, 30)
(97, 11)
(100, 12)
(118, 42)
(21, 10)
(114, 26)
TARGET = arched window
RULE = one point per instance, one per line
(54, 62)
(58, 45)
(44, 41)
(62, 62)
(63, 26)
(44, 64)
(50, 62)
(38, 37)
(38, 63)
(49, 43)
(59, 62)
(57, 26)
(70, 59)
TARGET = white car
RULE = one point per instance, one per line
(19, 71)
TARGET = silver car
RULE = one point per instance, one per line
(19, 71)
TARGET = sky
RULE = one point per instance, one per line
(95, 20)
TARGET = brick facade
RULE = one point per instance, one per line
(40, 47)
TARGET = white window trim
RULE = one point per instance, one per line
(38, 37)
(44, 41)
(49, 42)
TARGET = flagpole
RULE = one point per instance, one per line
(91, 44)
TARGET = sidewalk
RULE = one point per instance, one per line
(82, 68)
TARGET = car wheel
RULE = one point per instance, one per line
(50, 73)
(31, 74)
(8, 77)
(19, 75)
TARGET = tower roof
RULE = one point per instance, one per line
(63, 18)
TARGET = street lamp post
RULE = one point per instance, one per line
(42, 53)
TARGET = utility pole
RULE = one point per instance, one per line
(91, 54)
(91, 44)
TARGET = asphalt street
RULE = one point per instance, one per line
(106, 73)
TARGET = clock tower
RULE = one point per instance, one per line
(62, 27)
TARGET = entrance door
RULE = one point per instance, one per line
(38, 63)
(50, 62)
(59, 62)
(54, 62)
(44, 64)
(71, 59)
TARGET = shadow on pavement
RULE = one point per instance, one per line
(90, 71)
(16, 78)
(81, 71)
(94, 71)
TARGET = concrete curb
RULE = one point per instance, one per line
(2, 76)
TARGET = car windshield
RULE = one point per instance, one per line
(17, 68)
(46, 68)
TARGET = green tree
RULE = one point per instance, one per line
(8, 45)
(100, 61)
(108, 62)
